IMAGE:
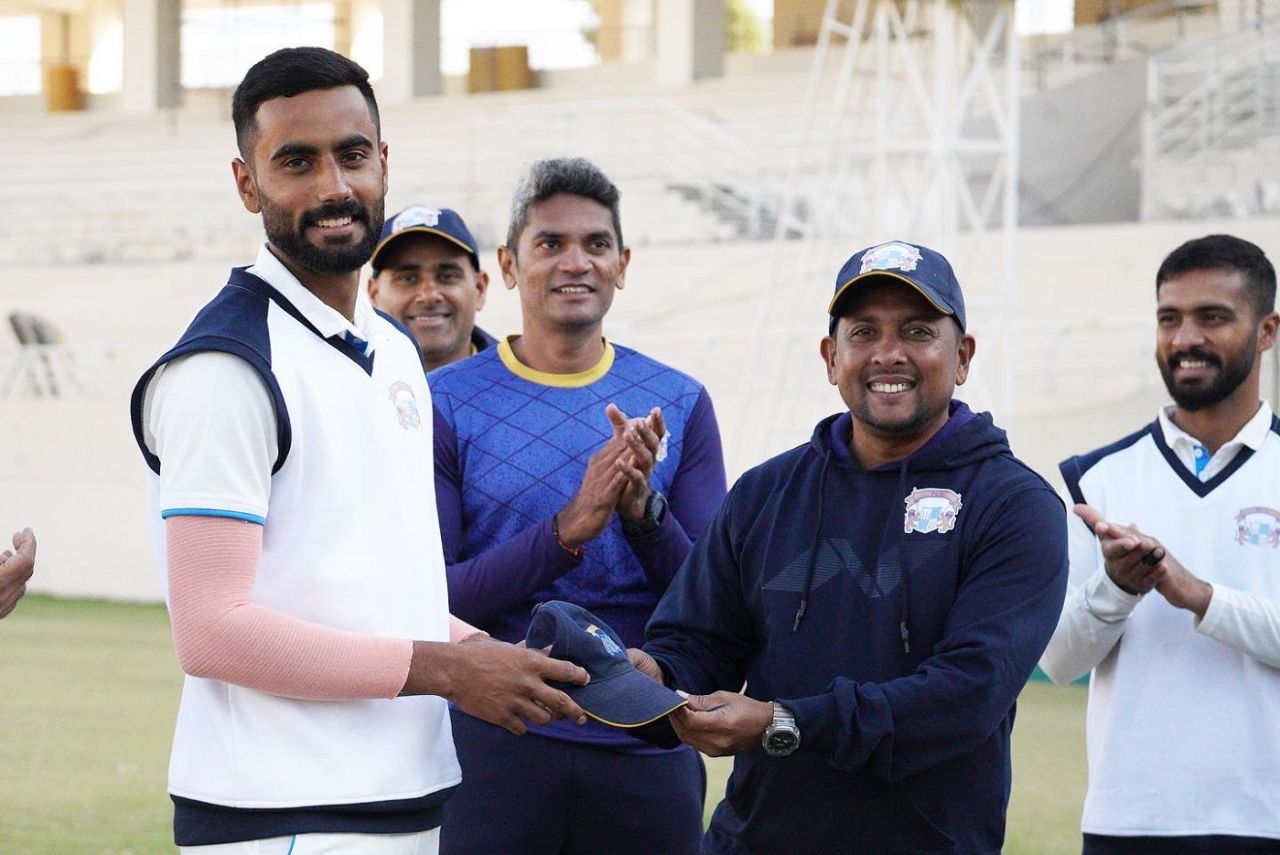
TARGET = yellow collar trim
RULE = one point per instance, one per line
(567, 381)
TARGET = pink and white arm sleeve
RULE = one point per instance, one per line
(221, 634)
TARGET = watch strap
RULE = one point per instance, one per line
(655, 510)
(782, 737)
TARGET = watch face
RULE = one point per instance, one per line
(781, 742)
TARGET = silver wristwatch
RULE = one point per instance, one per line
(782, 736)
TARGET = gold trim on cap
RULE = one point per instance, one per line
(564, 381)
(603, 720)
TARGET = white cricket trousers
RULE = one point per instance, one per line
(420, 843)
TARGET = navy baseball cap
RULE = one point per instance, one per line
(618, 694)
(419, 219)
(922, 268)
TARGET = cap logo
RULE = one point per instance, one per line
(610, 646)
(419, 216)
(931, 509)
(890, 256)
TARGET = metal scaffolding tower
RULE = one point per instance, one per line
(908, 130)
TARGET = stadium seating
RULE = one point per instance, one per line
(121, 226)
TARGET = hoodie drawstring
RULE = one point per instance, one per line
(817, 543)
(905, 576)
(904, 584)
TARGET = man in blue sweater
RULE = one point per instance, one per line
(549, 489)
(883, 591)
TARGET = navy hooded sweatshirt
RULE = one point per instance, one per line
(898, 629)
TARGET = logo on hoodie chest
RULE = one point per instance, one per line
(931, 509)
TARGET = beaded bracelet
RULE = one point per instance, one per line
(555, 532)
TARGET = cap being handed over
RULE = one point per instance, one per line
(618, 694)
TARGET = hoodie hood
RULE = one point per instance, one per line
(966, 438)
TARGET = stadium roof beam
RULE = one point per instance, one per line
(410, 50)
(690, 40)
(687, 40)
(152, 55)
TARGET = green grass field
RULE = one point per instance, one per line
(88, 692)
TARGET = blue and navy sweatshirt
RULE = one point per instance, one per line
(898, 612)
(511, 448)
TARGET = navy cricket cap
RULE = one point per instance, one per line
(922, 268)
(419, 219)
(618, 694)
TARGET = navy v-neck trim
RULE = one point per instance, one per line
(1201, 488)
(241, 277)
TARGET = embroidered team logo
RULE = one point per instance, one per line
(1258, 526)
(610, 646)
(931, 509)
(890, 256)
(402, 398)
(416, 216)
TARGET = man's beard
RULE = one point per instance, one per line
(327, 259)
(1230, 375)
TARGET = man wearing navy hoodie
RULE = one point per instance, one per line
(884, 592)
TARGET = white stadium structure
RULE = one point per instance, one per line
(1055, 170)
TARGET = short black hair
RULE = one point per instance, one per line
(576, 176)
(1226, 252)
(289, 72)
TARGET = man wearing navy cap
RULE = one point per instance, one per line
(883, 591)
(426, 274)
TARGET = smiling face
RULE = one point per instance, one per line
(566, 263)
(430, 285)
(896, 361)
(1208, 338)
(318, 174)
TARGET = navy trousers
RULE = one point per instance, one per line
(538, 796)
